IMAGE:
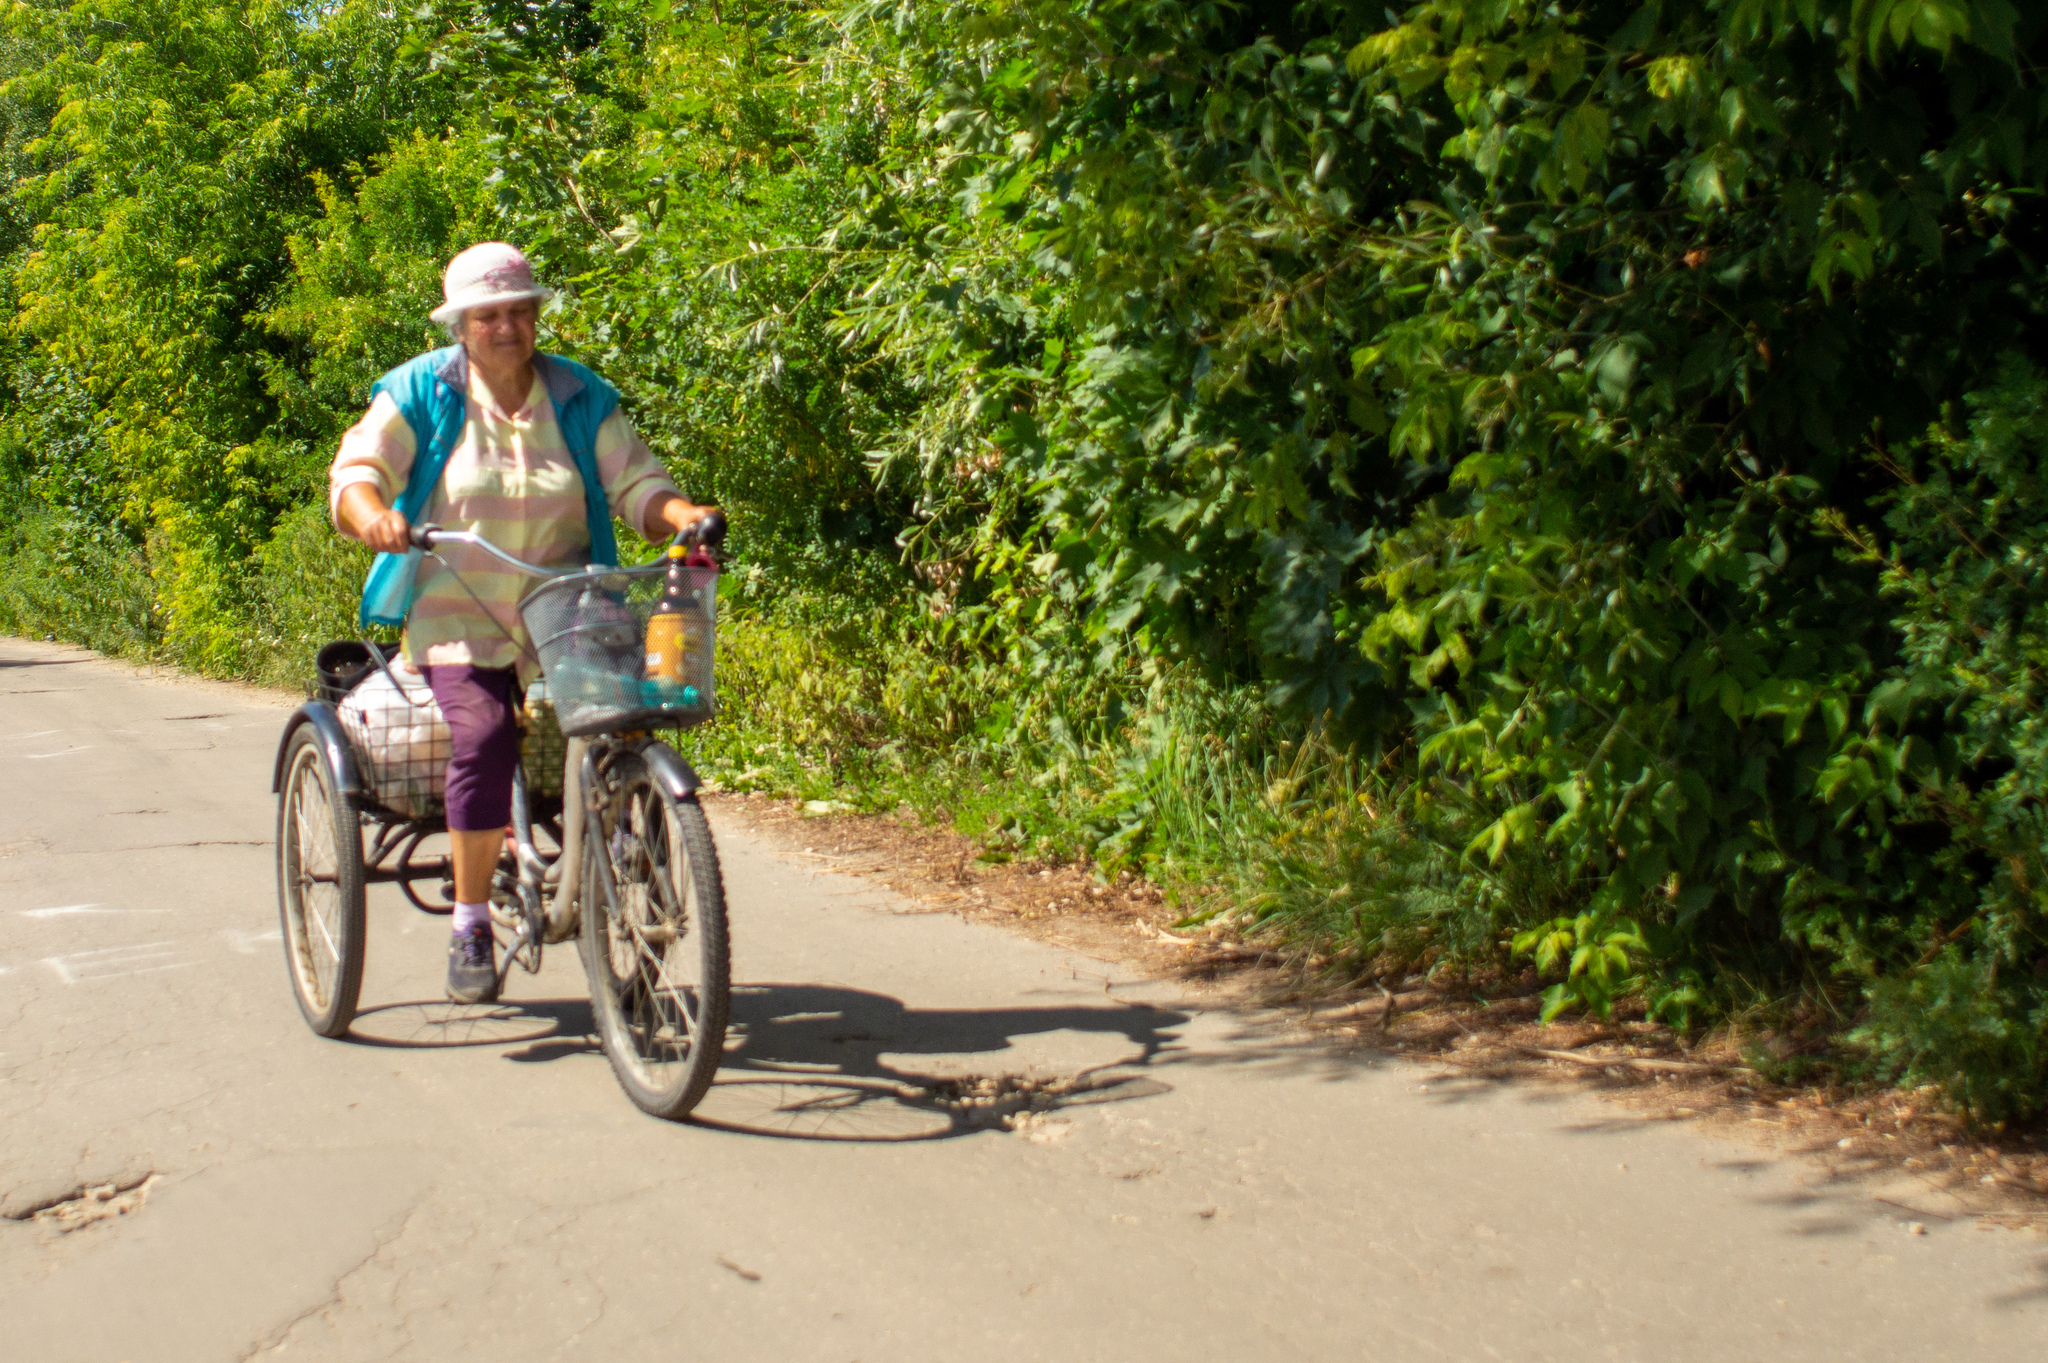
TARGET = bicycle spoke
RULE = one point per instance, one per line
(660, 965)
(333, 950)
(314, 834)
(322, 967)
(306, 786)
(682, 1025)
(674, 904)
(648, 991)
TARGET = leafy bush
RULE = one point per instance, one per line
(1957, 749)
(1951, 1023)
(1494, 380)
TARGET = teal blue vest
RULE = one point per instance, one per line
(429, 391)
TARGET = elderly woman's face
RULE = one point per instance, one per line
(501, 335)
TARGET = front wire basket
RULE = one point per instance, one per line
(590, 631)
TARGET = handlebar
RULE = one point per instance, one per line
(706, 532)
(431, 537)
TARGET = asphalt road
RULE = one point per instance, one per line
(455, 1183)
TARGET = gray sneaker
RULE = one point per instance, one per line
(472, 967)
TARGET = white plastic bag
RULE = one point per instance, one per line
(401, 740)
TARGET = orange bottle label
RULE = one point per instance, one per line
(667, 658)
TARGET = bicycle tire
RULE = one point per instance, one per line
(320, 888)
(650, 916)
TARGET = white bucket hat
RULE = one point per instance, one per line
(491, 273)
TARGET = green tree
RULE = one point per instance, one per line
(182, 149)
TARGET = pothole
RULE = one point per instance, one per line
(88, 1206)
(997, 1099)
(1017, 1102)
(993, 1097)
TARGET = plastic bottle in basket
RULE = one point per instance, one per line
(675, 638)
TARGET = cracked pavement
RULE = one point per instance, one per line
(1171, 1179)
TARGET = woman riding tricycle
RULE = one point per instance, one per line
(486, 476)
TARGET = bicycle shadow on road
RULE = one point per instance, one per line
(548, 1028)
(825, 1062)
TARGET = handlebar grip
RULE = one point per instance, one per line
(422, 536)
(706, 532)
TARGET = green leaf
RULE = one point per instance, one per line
(1582, 140)
(1703, 183)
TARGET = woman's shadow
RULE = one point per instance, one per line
(851, 1030)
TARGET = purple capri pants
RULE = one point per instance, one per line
(477, 702)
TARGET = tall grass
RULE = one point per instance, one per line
(260, 621)
(304, 588)
(1265, 827)
(1295, 841)
(62, 578)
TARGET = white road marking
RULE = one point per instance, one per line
(69, 910)
(112, 963)
(109, 963)
(36, 756)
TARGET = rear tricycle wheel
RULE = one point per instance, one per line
(320, 894)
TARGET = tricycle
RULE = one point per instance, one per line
(608, 843)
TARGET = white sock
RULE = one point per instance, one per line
(470, 917)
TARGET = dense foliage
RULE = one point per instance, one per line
(1494, 480)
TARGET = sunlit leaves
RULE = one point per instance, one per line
(1597, 955)
(179, 158)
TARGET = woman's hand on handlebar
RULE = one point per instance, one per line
(689, 524)
(389, 533)
(364, 515)
(705, 532)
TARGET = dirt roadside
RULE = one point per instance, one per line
(1911, 1154)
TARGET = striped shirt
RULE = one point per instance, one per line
(512, 480)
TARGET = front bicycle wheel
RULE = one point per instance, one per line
(320, 894)
(654, 940)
